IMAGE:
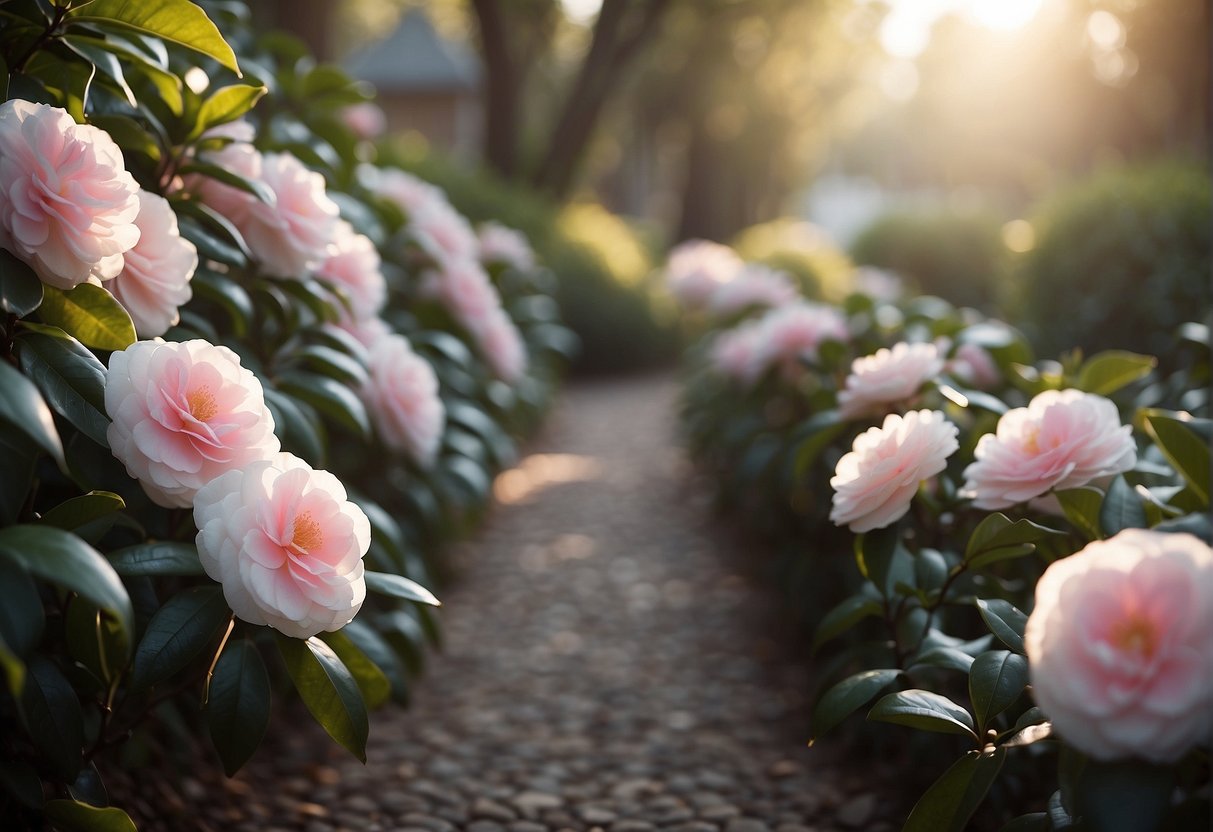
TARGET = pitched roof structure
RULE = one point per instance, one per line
(415, 58)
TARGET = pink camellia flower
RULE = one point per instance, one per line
(67, 203)
(506, 246)
(502, 346)
(240, 158)
(156, 273)
(755, 285)
(353, 264)
(286, 545)
(974, 366)
(465, 289)
(1062, 439)
(290, 236)
(364, 119)
(409, 193)
(874, 483)
(183, 414)
(402, 396)
(366, 330)
(735, 353)
(887, 377)
(444, 234)
(793, 333)
(697, 267)
(1119, 646)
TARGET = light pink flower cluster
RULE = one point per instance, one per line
(444, 234)
(156, 273)
(409, 193)
(184, 413)
(502, 345)
(505, 246)
(1062, 439)
(755, 286)
(365, 119)
(353, 264)
(974, 366)
(401, 393)
(875, 482)
(735, 353)
(68, 204)
(794, 332)
(285, 543)
(888, 377)
(289, 235)
(696, 268)
(1120, 646)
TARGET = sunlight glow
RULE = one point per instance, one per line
(581, 12)
(906, 30)
(538, 472)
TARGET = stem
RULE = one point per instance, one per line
(210, 672)
(60, 13)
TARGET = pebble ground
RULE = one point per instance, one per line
(608, 667)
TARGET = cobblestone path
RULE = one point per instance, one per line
(606, 668)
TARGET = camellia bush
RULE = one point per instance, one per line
(250, 382)
(1009, 555)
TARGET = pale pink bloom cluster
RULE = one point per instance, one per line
(795, 332)
(156, 273)
(696, 268)
(1062, 439)
(878, 284)
(68, 205)
(502, 345)
(888, 377)
(735, 352)
(354, 265)
(444, 234)
(401, 394)
(974, 366)
(754, 286)
(365, 119)
(285, 543)
(1120, 646)
(409, 193)
(876, 481)
(289, 235)
(366, 330)
(465, 289)
(184, 413)
(506, 246)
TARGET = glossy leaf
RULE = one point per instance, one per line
(375, 687)
(89, 314)
(1107, 372)
(330, 397)
(74, 816)
(845, 616)
(70, 377)
(1125, 796)
(21, 615)
(1004, 620)
(225, 105)
(844, 698)
(176, 21)
(952, 799)
(159, 558)
(996, 679)
(924, 710)
(329, 691)
(948, 658)
(1122, 508)
(1183, 448)
(22, 406)
(238, 707)
(400, 587)
(179, 631)
(96, 640)
(80, 511)
(20, 288)
(997, 532)
(1081, 506)
(50, 712)
(254, 187)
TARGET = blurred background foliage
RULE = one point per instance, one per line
(934, 138)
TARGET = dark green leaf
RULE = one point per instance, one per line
(14, 669)
(924, 710)
(22, 406)
(845, 616)
(21, 781)
(998, 532)
(996, 680)
(1184, 449)
(883, 560)
(88, 787)
(1122, 508)
(129, 134)
(952, 799)
(64, 559)
(1031, 822)
(89, 314)
(1004, 621)
(176, 21)
(50, 712)
(375, 687)
(95, 640)
(330, 397)
(20, 288)
(70, 377)
(178, 632)
(21, 614)
(238, 707)
(228, 294)
(333, 363)
(92, 51)
(219, 244)
(159, 558)
(1082, 506)
(400, 587)
(328, 690)
(1125, 796)
(1107, 372)
(945, 657)
(80, 511)
(73, 816)
(299, 434)
(840, 701)
(378, 650)
(255, 187)
(224, 105)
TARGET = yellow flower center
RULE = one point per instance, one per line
(201, 403)
(1135, 634)
(1031, 441)
(306, 534)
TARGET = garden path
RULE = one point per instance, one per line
(607, 667)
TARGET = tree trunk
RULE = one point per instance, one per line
(502, 89)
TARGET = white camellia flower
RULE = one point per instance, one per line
(755, 285)
(1120, 646)
(183, 414)
(155, 278)
(286, 544)
(401, 394)
(290, 236)
(696, 268)
(874, 483)
(888, 377)
(1062, 439)
(68, 204)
